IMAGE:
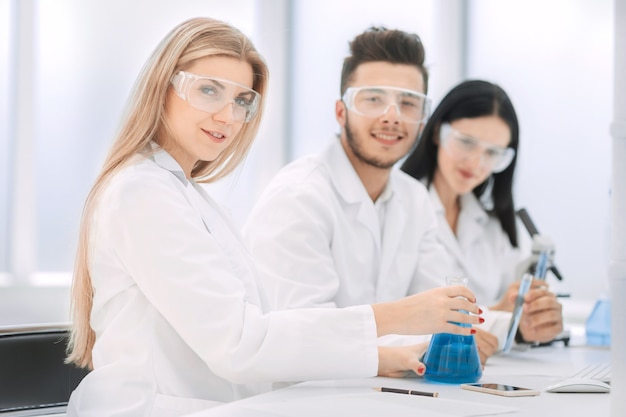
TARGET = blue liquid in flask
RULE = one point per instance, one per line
(451, 358)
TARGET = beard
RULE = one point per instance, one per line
(360, 154)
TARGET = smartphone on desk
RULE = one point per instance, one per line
(501, 389)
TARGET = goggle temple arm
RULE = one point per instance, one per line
(179, 83)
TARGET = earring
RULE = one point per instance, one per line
(486, 198)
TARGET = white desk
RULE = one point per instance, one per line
(535, 368)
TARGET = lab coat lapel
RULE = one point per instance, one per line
(395, 223)
(226, 233)
(218, 223)
(349, 187)
(471, 227)
(447, 236)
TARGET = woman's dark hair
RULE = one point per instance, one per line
(386, 45)
(471, 99)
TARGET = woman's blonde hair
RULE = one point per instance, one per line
(145, 121)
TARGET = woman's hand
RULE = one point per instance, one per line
(429, 312)
(542, 316)
(401, 361)
(507, 302)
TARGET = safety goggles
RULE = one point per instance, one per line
(374, 101)
(460, 146)
(212, 94)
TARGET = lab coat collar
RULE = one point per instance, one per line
(470, 227)
(473, 220)
(345, 179)
(387, 192)
(166, 161)
(448, 238)
(437, 204)
(473, 209)
(470, 207)
(350, 188)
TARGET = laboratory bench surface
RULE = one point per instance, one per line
(534, 368)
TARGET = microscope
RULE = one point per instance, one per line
(542, 245)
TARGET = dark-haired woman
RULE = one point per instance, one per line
(466, 157)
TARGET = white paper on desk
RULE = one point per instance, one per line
(376, 404)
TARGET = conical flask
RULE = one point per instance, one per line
(452, 358)
(598, 324)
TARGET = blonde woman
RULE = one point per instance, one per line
(166, 308)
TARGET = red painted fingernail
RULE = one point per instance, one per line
(481, 320)
(421, 370)
(473, 331)
(480, 311)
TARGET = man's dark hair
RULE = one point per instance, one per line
(382, 44)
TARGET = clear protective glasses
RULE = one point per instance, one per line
(212, 94)
(460, 146)
(375, 101)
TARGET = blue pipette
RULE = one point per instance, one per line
(524, 286)
(542, 265)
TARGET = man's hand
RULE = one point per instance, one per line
(487, 344)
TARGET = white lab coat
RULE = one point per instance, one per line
(315, 235)
(481, 251)
(179, 320)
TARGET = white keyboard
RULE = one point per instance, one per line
(600, 372)
(593, 378)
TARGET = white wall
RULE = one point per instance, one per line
(555, 59)
(71, 65)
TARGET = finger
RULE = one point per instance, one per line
(483, 356)
(538, 283)
(545, 333)
(542, 304)
(487, 343)
(552, 327)
(484, 350)
(512, 296)
(545, 330)
(540, 319)
(490, 340)
(397, 374)
(460, 291)
(459, 330)
(417, 366)
(538, 293)
(463, 318)
(461, 304)
(538, 311)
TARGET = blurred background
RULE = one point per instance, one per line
(67, 67)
